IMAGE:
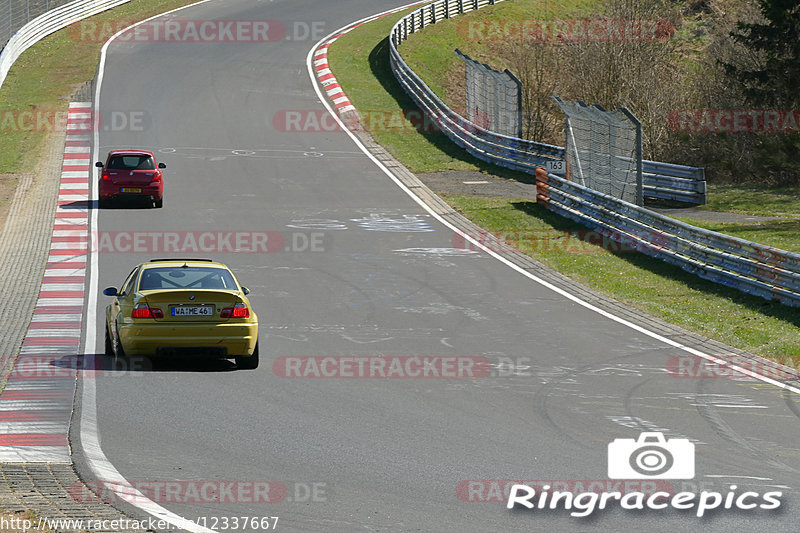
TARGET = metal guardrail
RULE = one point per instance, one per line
(674, 182)
(660, 180)
(753, 268)
(47, 23)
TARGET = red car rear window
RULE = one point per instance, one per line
(131, 162)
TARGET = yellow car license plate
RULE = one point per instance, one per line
(199, 310)
(130, 189)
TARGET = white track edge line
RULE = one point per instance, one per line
(544, 283)
(89, 433)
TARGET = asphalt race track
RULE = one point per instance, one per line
(382, 280)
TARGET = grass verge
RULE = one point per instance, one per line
(359, 59)
(754, 200)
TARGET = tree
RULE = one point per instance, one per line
(774, 77)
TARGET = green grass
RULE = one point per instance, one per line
(45, 76)
(783, 202)
(651, 285)
(754, 200)
(360, 61)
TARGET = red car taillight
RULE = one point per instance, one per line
(145, 311)
(157, 176)
(106, 176)
(237, 311)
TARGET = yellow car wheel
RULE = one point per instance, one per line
(248, 362)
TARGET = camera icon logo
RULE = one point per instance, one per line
(651, 457)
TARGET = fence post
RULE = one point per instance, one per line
(447, 9)
(639, 185)
(518, 94)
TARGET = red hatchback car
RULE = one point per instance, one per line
(131, 174)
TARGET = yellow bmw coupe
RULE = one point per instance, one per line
(192, 307)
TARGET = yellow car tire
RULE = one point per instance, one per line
(248, 362)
